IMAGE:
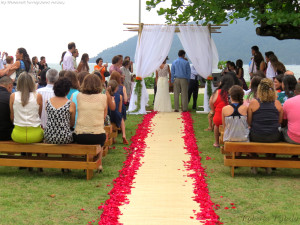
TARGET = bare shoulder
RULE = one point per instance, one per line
(278, 105)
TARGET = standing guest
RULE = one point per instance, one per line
(270, 72)
(22, 63)
(127, 82)
(72, 76)
(101, 68)
(217, 101)
(68, 62)
(240, 73)
(47, 93)
(278, 82)
(288, 85)
(291, 118)
(193, 86)
(6, 126)
(25, 110)
(232, 67)
(265, 114)
(130, 64)
(116, 113)
(278, 66)
(60, 115)
(9, 63)
(234, 117)
(42, 64)
(253, 66)
(2, 61)
(84, 63)
(163, 79)
(75, 55)
(181, 73)
(35, 68)
(116, 64)
(122, 92)
(43, 80)
(62, 59)
(259, 62)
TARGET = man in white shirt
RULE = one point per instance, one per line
(47, 93)
(68, 63)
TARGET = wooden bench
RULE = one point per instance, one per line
(91, 161)
(283, 151)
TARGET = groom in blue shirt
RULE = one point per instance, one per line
(181, 73)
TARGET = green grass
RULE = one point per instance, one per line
(260, 199)
(25, 196)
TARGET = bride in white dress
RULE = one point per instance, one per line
(162, 101)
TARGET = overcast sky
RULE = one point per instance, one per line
(45, 29)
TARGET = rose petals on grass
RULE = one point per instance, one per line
(123, 184)
(198, 174)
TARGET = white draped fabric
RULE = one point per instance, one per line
(152, 49)
(198, 46)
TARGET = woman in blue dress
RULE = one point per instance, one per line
(122, 95)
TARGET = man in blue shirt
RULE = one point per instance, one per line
(181, 72)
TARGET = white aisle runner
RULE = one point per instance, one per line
(162, 192)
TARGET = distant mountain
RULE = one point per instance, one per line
(233, 43)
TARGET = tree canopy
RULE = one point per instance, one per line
(277, 18)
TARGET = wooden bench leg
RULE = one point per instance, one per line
(89, 173)
(232, 168)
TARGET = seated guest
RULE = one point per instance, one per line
(252, 94)
(72, 76)
(278, 82)
(291, 117)
(265, 114)
(73, 98)
(92, 110)
(62, 73)
(42, 78)
(234, 117)
(60, 115)
(6, 126)
(217, 101)
(47, 92)
(25, 110)
(122, 92)
(288, 85)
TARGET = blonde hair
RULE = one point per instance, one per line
(265, 91)
(25, 85)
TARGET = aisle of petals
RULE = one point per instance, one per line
(123, 184)
(197, 172)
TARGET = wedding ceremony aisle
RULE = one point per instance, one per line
(169, 185)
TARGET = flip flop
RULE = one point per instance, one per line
(216, 146)
(207, 129)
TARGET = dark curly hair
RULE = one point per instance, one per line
(62, 87)
(236, 93)
(226, 83)
(26, 58)
(289, 83)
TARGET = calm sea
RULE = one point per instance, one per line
(294, 68)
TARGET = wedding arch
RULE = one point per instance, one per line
(153, 46)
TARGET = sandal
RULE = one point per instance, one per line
(216, 146)
(208, 129)
(125, 142)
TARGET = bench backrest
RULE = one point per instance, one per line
(10, 146)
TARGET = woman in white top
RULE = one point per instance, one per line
(162, 101)
(26, 108)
